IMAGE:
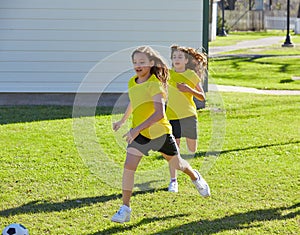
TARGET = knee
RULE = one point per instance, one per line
(133, 158)
(178, 163)
(191, 145)
(192, 150)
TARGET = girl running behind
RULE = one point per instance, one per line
(188, 68)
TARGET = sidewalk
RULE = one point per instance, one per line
(247, 44)
(214, 51)
(223, 88)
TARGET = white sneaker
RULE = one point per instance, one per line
(123, 215)
(201, 185)
(173, 187)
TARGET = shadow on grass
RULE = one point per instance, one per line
(238, 221)
(22, 114)
(234, 222)
(203, 154)
(119, 228)
(39, 206)
(237, 61)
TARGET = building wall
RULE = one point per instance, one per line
(73, 45)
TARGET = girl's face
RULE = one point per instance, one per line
(142, 65)
(179, 61)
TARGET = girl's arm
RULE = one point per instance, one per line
(155, 117)
(117, 125)
(200, 92)
(197, 92)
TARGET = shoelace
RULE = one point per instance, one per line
(200, 183)
(120, 211)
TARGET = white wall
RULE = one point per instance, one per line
(51, 45)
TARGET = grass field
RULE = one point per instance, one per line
(263, 72)
(235, 37)
(273, 67)
(48, 185)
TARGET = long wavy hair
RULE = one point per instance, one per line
(160, 68)
(197, 61)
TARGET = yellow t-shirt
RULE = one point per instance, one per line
(141, 99)
(181, 104)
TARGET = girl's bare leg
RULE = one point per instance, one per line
(191, 144)
(133, 158)
(172, 170)
(179, 163)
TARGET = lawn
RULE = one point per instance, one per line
(61, 175)
(262, 72)
(273, 67)
(238, 36)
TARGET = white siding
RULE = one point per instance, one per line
(52, 45)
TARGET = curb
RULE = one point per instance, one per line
(223, 88)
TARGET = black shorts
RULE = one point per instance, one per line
(185, 127)
(165, 144)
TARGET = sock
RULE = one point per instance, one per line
(173, 179)
(127, 207)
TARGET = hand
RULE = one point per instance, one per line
(131, 135)
(183, 87)
(117, 125)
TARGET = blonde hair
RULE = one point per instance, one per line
(160, 68)
(197, 61)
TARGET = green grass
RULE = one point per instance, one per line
(235, 37)
(270, 72)
(49, 184)
(273, 50)
(272, 67)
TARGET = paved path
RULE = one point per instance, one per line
(223, 88)
(247, 44)
(213, 51)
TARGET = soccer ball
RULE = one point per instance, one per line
(15, 229)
